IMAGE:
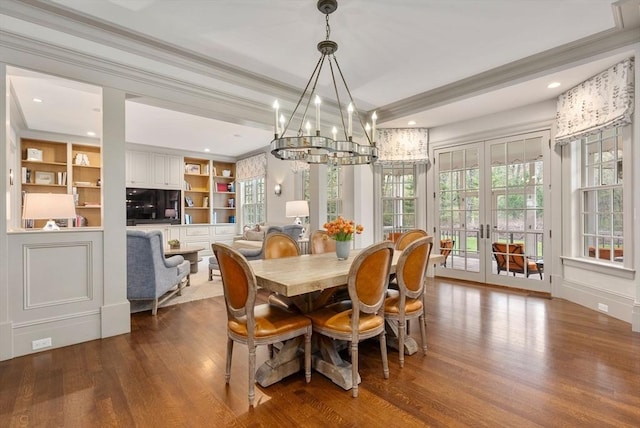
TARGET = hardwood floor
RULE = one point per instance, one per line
(495, 358)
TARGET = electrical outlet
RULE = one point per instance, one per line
(602, 307)
(41, 343)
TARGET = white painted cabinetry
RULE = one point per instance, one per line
(167, 171)
(137, 168)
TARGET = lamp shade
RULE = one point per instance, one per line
(297, 209)
(47, 206)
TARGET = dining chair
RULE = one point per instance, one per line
(321, 242)
(255, 325)
(279, 244)
(367, 281)
(409, 302)
(408, 237)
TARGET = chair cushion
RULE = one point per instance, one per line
(332, 317)
(392, 305)
(270, 321)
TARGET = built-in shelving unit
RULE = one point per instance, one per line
(55, 167)
(223, 202)
(197, 189)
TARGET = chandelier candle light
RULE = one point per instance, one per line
(316, 148)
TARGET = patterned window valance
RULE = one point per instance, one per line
(403, 145)
(603, 101)
(255, 166)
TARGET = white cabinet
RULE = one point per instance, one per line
(137, 168)
(167, 171)
(155, 170)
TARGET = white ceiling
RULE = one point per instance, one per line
(389, 51)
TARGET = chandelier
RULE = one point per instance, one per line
(315, 148)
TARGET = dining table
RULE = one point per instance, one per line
(309, 281)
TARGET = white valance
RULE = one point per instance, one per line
(601, 102)
(403, 145)
(255, 166)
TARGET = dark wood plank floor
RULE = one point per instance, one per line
(496, 358)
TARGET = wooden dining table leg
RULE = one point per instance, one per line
(330, 363)
(286, 362)
(410, 344)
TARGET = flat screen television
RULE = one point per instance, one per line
(148, 206)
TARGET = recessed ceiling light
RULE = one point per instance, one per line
(37, 100)
(553, 85)
(411, 122)
(91, 133)
(237, 135)
(207, 150)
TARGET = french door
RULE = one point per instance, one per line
(489, 206)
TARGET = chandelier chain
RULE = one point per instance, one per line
(327, 26)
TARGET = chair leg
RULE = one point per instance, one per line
(383, 353)
(227, 374)
(307, 355)
(210, 274)
(354, 368)
(423, 331)
(154, 309)
(252, 375)
(401, 332)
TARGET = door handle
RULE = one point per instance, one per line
(481, 231)
(488, 231)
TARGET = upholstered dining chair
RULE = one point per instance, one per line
(409, 302)
(408, 237)
(446, 246)
(321, 242)
(255, 325)
(367, 282)
(278, 244)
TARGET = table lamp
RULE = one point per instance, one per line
(297, 209)
(47, 206)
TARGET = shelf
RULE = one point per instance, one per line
(197, 191)
(43, 185)
(87, 166)
(35, 162)
(224, 208)
(196, 208)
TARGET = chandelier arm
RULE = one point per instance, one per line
(352, 101)
(335, 87)
(317, 70)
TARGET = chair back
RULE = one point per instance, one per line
(277, 245)
(509, 256)
(412, 268)
(368, 279)
(408, 237)
(321, 242)
(238, 284)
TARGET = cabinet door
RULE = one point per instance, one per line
(137, 168)
(167, 171)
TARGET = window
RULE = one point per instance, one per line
(253, 209)
(601, 196)
(398, 198)
(334, 192)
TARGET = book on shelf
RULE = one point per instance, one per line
(187, 219)
(221, 187)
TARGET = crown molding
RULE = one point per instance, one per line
(557, 57)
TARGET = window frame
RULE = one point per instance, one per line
(398, 202)
(254, 210)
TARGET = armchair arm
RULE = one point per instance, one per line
(173, 261)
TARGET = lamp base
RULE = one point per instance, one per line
(297, 221)
(51, 225)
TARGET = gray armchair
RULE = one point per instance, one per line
(151, 276)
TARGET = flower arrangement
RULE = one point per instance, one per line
(342, 230)
(174, 243)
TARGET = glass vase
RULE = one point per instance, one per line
(342, 249)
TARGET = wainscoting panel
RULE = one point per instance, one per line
(57, 274)
(56, 288)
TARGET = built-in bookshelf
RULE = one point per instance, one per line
(61, 167)
(197, 189)
(223, 195)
